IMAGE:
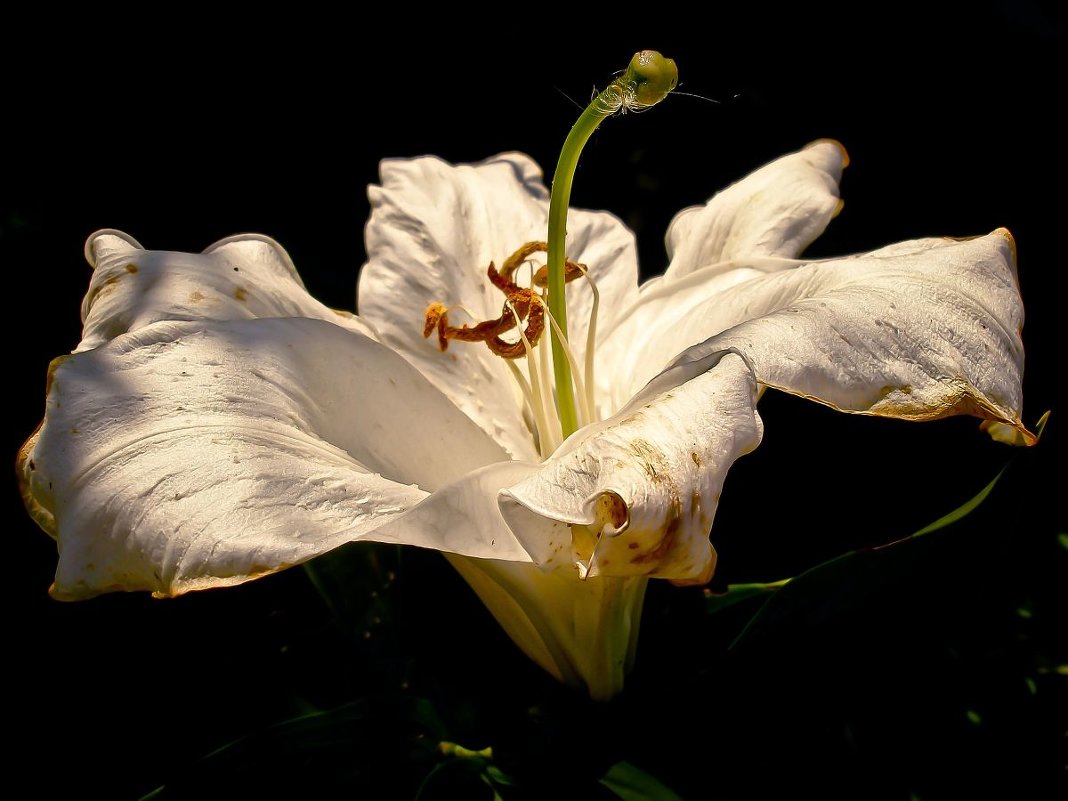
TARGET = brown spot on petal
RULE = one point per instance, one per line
(105, 288)
(131, 268)
(1007, 234)
(667, 539)
(836, 143)
(612, 508)
(696, 459)
(195, 297)
(25, 465)
(241, 294)
(650, 459)
(703, 577)
(53, 366)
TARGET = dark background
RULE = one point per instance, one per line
(186, 129)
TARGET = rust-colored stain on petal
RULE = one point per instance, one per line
(650, 458)
(131, 268)
(25, 466)
(671, 528)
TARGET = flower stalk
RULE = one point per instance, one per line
(647, 80)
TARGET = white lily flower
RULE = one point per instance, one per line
(217, 424)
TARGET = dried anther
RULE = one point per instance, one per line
(521, 305)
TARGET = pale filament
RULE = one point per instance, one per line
(527, 308)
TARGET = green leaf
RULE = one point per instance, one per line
(737, 593)
(963, 510)
(631, 783)
(838, 582)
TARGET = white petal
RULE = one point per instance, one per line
(434, 230)
(919, 330)
(584, 633)
(239, 278)
(776, 211)
(662, 306)
(463, 517)
(636, 494)
(754, 227)
(197, 454)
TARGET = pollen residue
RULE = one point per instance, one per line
(241, 294)
(195, 297)
(650, 459)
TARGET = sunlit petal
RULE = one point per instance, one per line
(198, 454)
(919, 330)
(238, 278)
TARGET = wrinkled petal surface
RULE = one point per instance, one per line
(434, 229)
(238, 278)
(918, 330)
(199, 454)
(636, 494)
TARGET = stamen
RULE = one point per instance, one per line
(513, 262)
(591, 342)
(526, 303)
(548, 439)
(524, 388)
(525, 310)
(540, 279)
(437, 316)
(585, 414)
(523, 303)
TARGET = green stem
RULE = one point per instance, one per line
(558, 203)
(646, 81)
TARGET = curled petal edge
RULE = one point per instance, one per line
(635, 495)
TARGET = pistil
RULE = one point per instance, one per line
(647, 80)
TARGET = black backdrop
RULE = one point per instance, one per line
(184, 129)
